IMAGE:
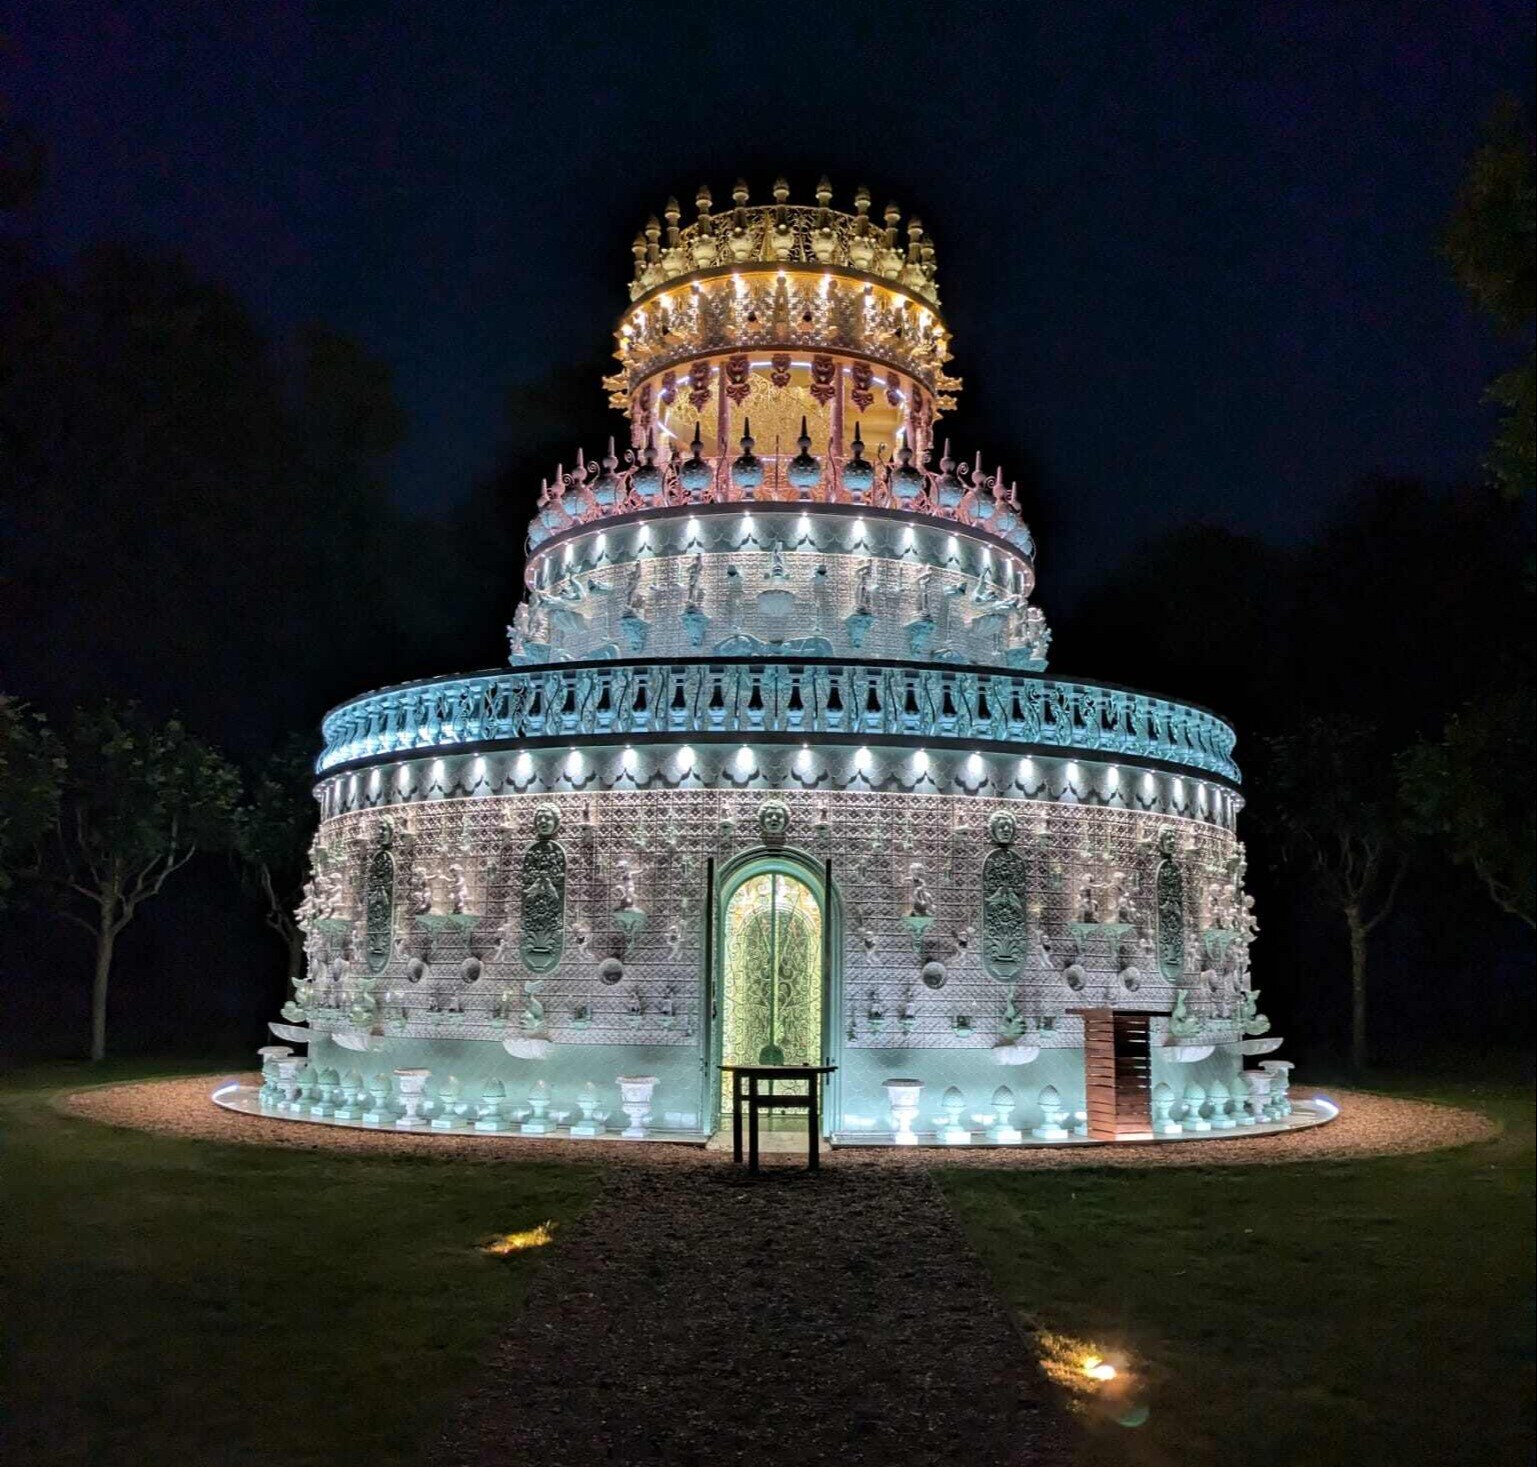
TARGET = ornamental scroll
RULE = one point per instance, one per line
(1170, 898)
(379, 901)
(1003, 901)
(544, 895)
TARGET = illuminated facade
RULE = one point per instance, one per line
(777, 772)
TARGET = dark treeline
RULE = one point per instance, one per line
(197, 516)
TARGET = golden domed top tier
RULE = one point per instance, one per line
(783, 233)
(772, 313)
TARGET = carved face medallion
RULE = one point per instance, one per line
(1003, 826)
(546, 821)
(773, 819)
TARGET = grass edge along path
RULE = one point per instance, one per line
(176, 1300)
(1322, 1314)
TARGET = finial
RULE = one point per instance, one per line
(739, 193)
(781, 191)
(861, 200)
(824, 191)
(804, 441)
(893, 216)
(672, 213)
(702, 200)
(653, 229)
(697, 443)
(747, 439)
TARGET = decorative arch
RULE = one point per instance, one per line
(757, 872)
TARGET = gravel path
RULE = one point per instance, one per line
(701, 1318)
(695, 1316)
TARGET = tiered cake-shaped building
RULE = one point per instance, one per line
(777, 771)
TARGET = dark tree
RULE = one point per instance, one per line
(31, 763)
(140, 799)
(1330, 803)
(1472, 790)
(1491, 241)
(273, 828)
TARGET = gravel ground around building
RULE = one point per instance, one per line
(1368, 1125)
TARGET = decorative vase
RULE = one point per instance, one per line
(378, 1112)
(951, 1131)
(587, 1102)
(493, 1096)
(635, 1093)
(1003, 1132)
(1258, 1082)
(1053, 1113)
(325, 1091)
(1163, 1110)
(1280, 1084)
(902, 1097)
(538, 1124)
(350, 1087)
(1242, 1114)
(288, 1082)
(1192, 1119)
(270, 1055)
(411, 1084)
(1219, 1097)
(448, 1117)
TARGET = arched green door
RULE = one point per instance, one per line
(771, 973)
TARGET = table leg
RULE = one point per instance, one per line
(752, 1123)
(813, 1127)
(736, 1117)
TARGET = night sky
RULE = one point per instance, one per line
(1188, 252)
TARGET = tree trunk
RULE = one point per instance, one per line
(1358, 932)
(105, 938)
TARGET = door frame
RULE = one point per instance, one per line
(815, 875)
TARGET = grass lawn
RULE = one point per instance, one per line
(182, 1302)
(1293, 1316)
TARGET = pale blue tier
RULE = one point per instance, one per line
(731, 700)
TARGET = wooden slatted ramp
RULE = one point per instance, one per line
(1117, 1065)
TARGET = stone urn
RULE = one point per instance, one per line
(1280, 1082)
(1259, 1095)
(270, 1055)
(411, 1084)
(1163, 1110)
(493, 1096)
(635, 1092)
(1195, 1099)
(378, 1112)
(538, 1122)
(902, 1098)
(348, 1091)
(1003, 1131)
(448, 1117)
(951, 1131)
(1219, 1096)
(587, 1101)
(288, 1082)
(1053, 1113)
(1243, 1115)
(325, 1093)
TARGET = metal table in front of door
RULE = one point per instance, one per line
(756, 1100)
